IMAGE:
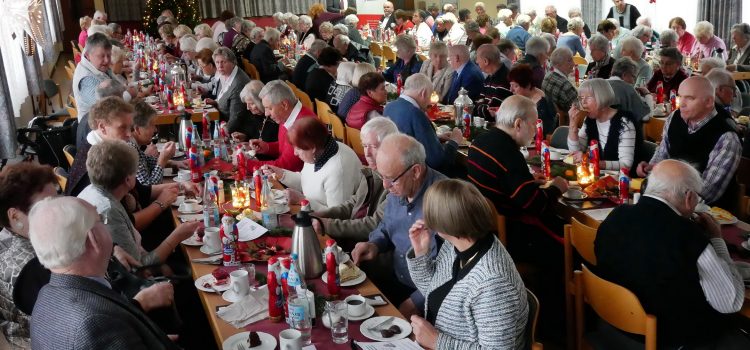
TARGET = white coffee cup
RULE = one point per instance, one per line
(290, 339)
(189, 205)
(240, 285)
(183, 175)
(167, 171)
(357, 305)
(211, 239)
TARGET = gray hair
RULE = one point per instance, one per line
(523, 20)
(503, 14)
(279, 16)
(602, 91)
(641, 30)
(643, 20)
(114, 27)
(709, 63)
(380, 126)
(351, 19)
(575, 23)
(110, 162)
(206, 43)
(462, 51)
(489, 52)
(233, 22)
(272, 34)
(631, 44)
(306, 20)
(247, 26)
(226, 53)
(204, 29)
(671, 187)
(345, 72)
(560, 56)
(109, 87)
(513, 108)
(550, 40)
(316, 47)
(574, 12)
(720, 77)
(741, 28)
(537, 46)
(405, 42)
(97, 40)
(188, 43)
(449, 17)
(439, 47)
(251, 91)
(360, 70)
(326, 26)
(623, 66)
(99, 14)
(256, 34)
(278, 91)
(471, 26)
(341, 39)
(414, 152)
(58, 230)
(418, 83)
(182, 30)
(117, 54)
(668, 38)
(599, 42)
(671, 53)
(703, 28)
(341, 28)
(293, 21)
(99, 28)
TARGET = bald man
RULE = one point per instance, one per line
(388, 21)
(496, 86)
(675, 261)
(704, 136)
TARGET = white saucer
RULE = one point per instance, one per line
(231, 296)
(745, 245)
(369, 311)
(375, 335)
(350, 283)
(209, 278)
(179, 200)
(204, 250)
(190, 212)
(192, 241)
(267, 342)
(178, 154)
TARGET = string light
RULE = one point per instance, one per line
(186, 12)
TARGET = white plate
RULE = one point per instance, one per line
(403, 324)
(181, 199)
(267, 342)
(369, 311)
(190, 212)
(344, 256)
(745, 245)
(192, 241)
(350, 283)
(204, 250)
(230, 296)
(178, 154)
(209, 278)
(279, 196)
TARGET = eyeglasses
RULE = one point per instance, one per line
(584, 98)
(395, 179)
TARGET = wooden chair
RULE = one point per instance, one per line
(615, 305)
(652, 130)
(502, 230)
(291, 85)
(741, 76)
(250, 69)
(62, 177)
(580, 237)
(72, 65)
(422, 57)
(577, 59)
(76, 48)
(377, 51)
(337, 127)
(355, 141)
(72, 101)
(69, 72)
(322, 109)
(70, 153)
(560, 137)
(388, 54)
(303, 98)
(531, 323)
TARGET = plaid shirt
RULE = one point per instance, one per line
(149, 171)
(722, 161)
(557, 88)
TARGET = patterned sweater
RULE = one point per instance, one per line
(487, 309)
(15, 253)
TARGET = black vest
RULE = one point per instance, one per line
(611, 150)
(653, 251)
(696, 147)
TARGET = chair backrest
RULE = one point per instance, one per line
(388, 54)
(303, 98)
(502, 230)
(322, 109)
(577, 59)
(652, 129)
(62, 177)
(531, 323)
(70, 153)
(250, 69)
(69, 72)
(649, 148)
(626, 314)
(375, 49)
(71, 64)
(560, 137)
(422, 57)
(72, 101)
(355, 141)
(582, 239)
(291, 85)
(337, 127)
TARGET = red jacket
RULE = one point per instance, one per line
(282, 149)
(404, 27)
(358, 113)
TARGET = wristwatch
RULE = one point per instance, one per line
(160, 204)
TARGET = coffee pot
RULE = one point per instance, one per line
(185, 122)
(306, 245)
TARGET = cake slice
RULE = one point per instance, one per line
(221, 276)
(348, 272)
(253, 340)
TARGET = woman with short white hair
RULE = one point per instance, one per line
(632, 47)
(253, 123)
(203, 31)
(668, 38)
(326, 32)
(601, 67)
(505, 21)
(182, 30)
(306, 34)
(407, 61)
(706, 43)
(572, 38)
(206, 43)
(643, 33)
(341, 85)
(437, 68)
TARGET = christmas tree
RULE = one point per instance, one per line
(185, 11)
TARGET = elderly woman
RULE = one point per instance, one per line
(326, 32)
(549, 25)
(739, 57)
(253, 123)
(407, 62)
(668, 38)
(632, 48)
(182, 30)
(470, 274)
(687, 41)
(21, 185)
(572, 38)
(352, 24)
(118, 64)
(670, 73)
(626, 96)
(353, 95)
(556, 84)
(85, 23)
(210, 85)
(110, 181)
(613, 129)
(93, 69)
(707, 64)
(241, 45)
(507, 52)
(484, 23)
(151, 163)
(370, 105)
(234, 26)
(341, 85)
(424, 33)
(607, 28)
(319, 16)
(626, 14)
(505, 21)
(441, 31)
(437, 69)
(320, 79)
(306, 36)
(206, 43)
(187, 45)
(166, 32)
(203, 30)
(292, 25)
(403, 22)
(220, 27)
(332, 172)
(601, 67)
(643, 33)
(116, 30)
(707, 43)
(521, 83)
(231, 81)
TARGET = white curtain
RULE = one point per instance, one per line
(8, 144)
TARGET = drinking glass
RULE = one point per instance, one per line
(299, 317)
(337, 316)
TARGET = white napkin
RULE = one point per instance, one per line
(251, 309)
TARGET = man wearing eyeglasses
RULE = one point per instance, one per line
(727, 94)
(401, 163)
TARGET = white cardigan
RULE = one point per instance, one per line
(335, 183)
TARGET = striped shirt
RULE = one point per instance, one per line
(625, 149)
(149, 171)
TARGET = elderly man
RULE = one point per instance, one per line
(496, 86)
(401, 163)
(703, 135)
(675, 261)
(407, 62)
(556, 84)
(388, 20)
(456, 32)
(78, 308)
(284, 108)
(633, 47)
(536, 57)
(346, 47)
(562, 23)
(601, 66)
(739, 56)
(344, 222)
(263, 58)
(466, 74)
(307, 63)
(408, 114)
(231, 81)
(623, 77)
(670, 72)
(727, 94)
(519, 34)
(107, 88)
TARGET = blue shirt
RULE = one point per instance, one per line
(393, 231)
(518, 36)
(573, 43)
